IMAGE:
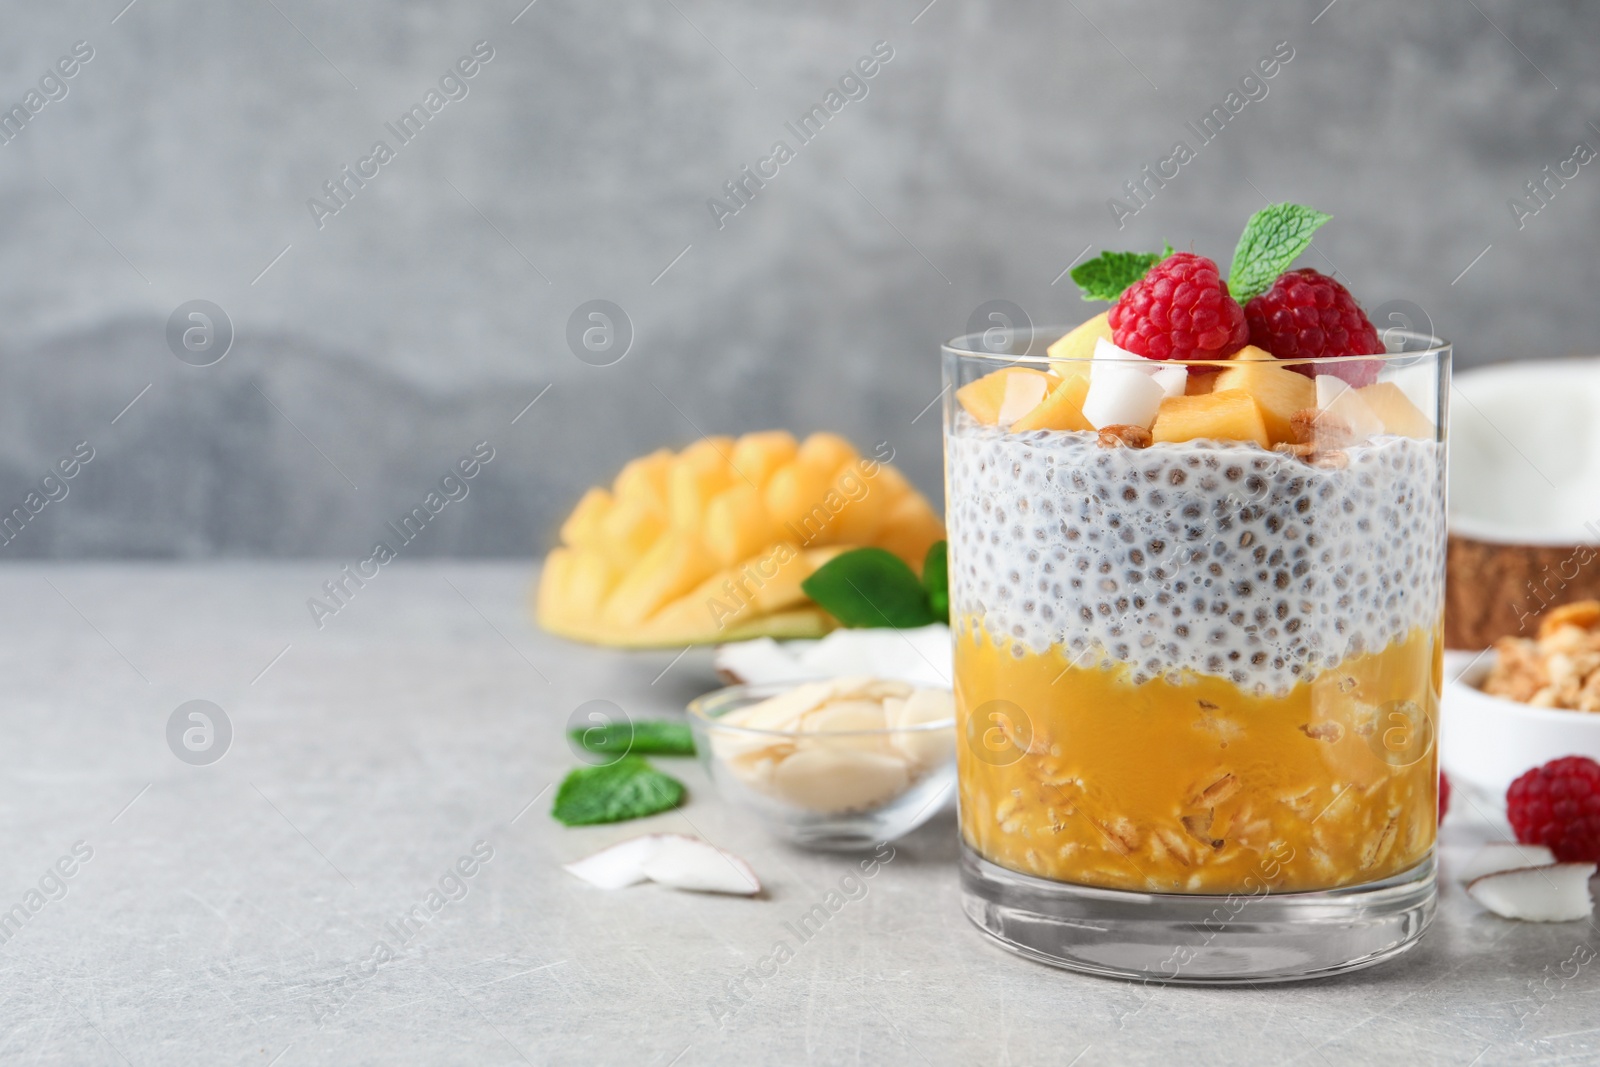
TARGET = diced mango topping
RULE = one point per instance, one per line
(1395, 410)
(1250, 397)
(986, 398)
(1278, 391)
(1223, 415)
(1079, 342)
(1061, 409)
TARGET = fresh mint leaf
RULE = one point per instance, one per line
(869, 587)
(1272, 239)
(936, 580)
(627, 789)
(1105, 276)
(650, 737)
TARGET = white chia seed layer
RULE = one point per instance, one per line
(1205, 556)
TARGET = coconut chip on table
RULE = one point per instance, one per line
(1558, 669)
(1558, 892)
(921, 656)
(675, 860)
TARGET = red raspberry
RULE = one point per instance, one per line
(1558, 805)
(1307, 314)
(1179, 310)
(1444, 795)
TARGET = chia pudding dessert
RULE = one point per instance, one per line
(1196, 581)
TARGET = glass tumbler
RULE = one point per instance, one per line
(1197, 668)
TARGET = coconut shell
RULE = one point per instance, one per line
(1495, 590)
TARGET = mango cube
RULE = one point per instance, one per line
(825, 453)
(582, 528)
(1278, 392)
(793, 491)
(1079, 342)
(985, 398)
(588, 581)
(1223, 415)
(629, 529)
(645, 479)
(691, 487)
(758, 455)
(1338, 398)
(910, 527)
(1061, 409)
(674, 565)
(736, 523)
(1396, 411)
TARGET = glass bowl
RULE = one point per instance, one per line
(822, 789)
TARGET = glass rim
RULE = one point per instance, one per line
(729, 697)
(1413, 347)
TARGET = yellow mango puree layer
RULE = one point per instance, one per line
(1072, 773)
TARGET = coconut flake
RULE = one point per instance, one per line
(834, 778)
(1558, 892)
(1500, 856)
(757, 661)
(674, 860)
(1024, 392)
(925, 748)
(1122, 396)
(1108, 356)
(617, 866)
(785, 710)
(684, 862)
(921, 656)
(1172, 377)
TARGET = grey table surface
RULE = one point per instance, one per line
(229, 913)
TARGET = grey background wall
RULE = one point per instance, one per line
(372, 352)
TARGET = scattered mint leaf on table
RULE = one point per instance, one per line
(1274, 237)
(1105, 276)
(649, 737)
(936, 580)
(870, 587)
(627, 789)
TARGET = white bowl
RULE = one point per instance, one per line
(1486, 742)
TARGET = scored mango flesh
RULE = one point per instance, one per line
(1192, 785)
(710, 544)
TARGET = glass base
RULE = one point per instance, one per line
(1198, 940)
